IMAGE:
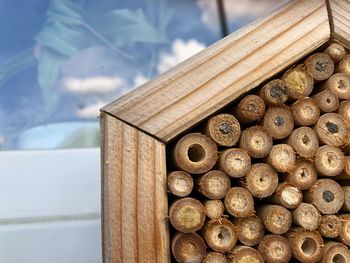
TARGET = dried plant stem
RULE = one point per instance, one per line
(251, 108)
(335, 252)
(330, 226)
(287, 195)
(215, 257)
(250, 230)
(214, 209)
(329, 161)
(339, 84)
(188, 247)
(275, 249)
(335, 51)
(277, 219)
(282, 158)
(274, 93)
(299, 83)
(256, 141)
(245, 254)
(303, 176)
(327, 101)
(214, 184)
(320, 66)
(235, 162)
(306, 216)
(344, 65)
(304, 141)
(180, 183)
(305, 111)
(278, 121)
(239, 202)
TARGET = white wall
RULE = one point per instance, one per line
(50, 206)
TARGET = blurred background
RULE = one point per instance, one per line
(60, 62)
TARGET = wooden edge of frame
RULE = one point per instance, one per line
(134, 198)
(175, 101)
(339, 13)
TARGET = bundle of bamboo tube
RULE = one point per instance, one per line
(268, 180)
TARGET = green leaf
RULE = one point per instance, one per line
(16, 64)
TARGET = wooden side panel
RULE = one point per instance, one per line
(340, 15)
(134, 198)
(200, 86)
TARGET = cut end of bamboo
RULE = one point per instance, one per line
(250, 230)
(299, 83)
(335, 51)
(282, 158)
(339, 84)
(327, 195)
(274, 92)
(215, 257)
(245, 254)
(330, 226)
(332, 130)
(304, 141)
(251, 108)
(220, 235)
(187, 215)
(303, 176)
(307, 245)
(279, 122)
(329, 161)
(214, 184)
(307, 216)
(180, 183)
(261, 180)
(239, 202)
(275, 249)
(287, 195)
(256, 141)
(195, 153)
(214, 209)
(235, 162)
(344, 65)
(336, 253)
(188, 247)
(344, 235)
(224, 129)
(320, 66)
(305, 111)
(277, 219)
(327, 100)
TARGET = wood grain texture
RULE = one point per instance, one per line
(200, 86)
(340, 20)
(134, 198)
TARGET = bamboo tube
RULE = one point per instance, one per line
(215, 257)
(344, 235)
(187, 215)
(180, 183)
(305, 111)
(306, 216)
(304, 141)
(245, 254)
(282, 158)
(277, 219)
(220, 235)
(275, 249)
(327, 100)
(298, 82)
(303, 176)
(214, 184)
(274, 93)
(214, 209)
(278, 121)
(331, 129)
(261, 180)
(195, 153)
(346, 205)
(188, 247)
(329, 161)
(335, 51)
(250, 230)
(339, 84)
(251, 108)
(307, 245)
(330, 226)
(344, 65)
(344, 110)
(239, 202)
(224, 129)
(256, 141)
(320, 66)
(286, 195)
(335, 252)
(235, 162)
(345, 174)
(326, 195)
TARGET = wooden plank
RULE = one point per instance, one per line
(340, 19)
(175, 101)
(134, 198)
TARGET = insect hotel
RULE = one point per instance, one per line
(239, 154)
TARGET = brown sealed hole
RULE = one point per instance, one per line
(251, 107)
(328, 196)
(196, 153)
(224, 234)
(321, 66)
(304, 172)
(225, 128)
(309, 246)
(277, 92)
(328, 100)
(341, 84)
(338, 258)
(306, 139)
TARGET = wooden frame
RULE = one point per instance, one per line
(136, 128)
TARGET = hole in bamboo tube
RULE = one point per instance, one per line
(328, 196)
(196, 153)
(279, 121)
(332, 127)
(330, 226)
(321, 66)
(224, 234)
(304, 173)
(306, 139)
(338, 259)
(341, 84)
(225, 128)
(237, 162)
(332, 159)
(309, 246)
(328, 100)
(251, 107)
